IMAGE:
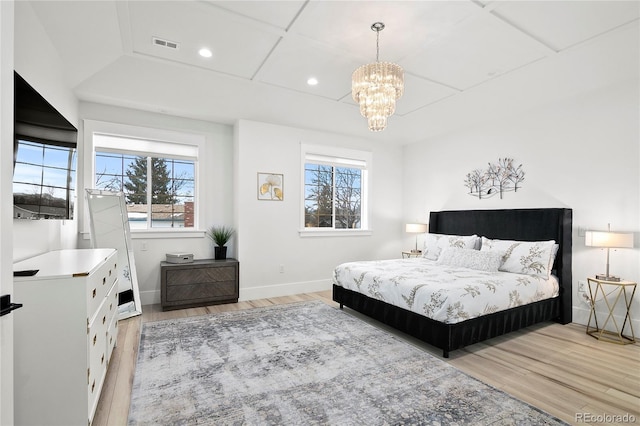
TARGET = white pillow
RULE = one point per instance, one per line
(489, 261)
(524, 257)
(435, 243)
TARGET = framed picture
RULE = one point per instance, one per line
(270, 186)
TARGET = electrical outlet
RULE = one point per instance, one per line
(582, 286)
(143, 247)
(282, 269)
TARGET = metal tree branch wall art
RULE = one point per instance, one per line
(498, 178)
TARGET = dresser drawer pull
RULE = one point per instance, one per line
(95, 338)
(104, 319)
(104, 280)
(102, 359)
(110, 339)
(109, 272)
(93, 385)
(110, 306)
(93, 294)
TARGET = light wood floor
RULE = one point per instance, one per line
(557, 368)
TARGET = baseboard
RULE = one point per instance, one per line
(581, 316)
(287, 289)
(152, 297)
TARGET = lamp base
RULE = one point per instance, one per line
(605, 277)
(416, 251)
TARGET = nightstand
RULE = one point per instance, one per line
(409, 253)
(617, 291)
(199, 283)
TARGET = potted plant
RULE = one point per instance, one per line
(220, 235)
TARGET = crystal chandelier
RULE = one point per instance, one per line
(375, 87)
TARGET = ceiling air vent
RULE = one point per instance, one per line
(165, 43)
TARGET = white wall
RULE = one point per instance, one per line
(36, 60)
(6, 210)
(216, 191)
(582, 153)
(268, 235)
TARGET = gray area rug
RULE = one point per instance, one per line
(304, 364)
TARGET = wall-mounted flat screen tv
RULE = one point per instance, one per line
(44, 157)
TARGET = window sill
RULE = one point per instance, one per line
(152, 234)
(178, 233)
(335, 232)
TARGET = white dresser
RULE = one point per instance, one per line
(64, 335)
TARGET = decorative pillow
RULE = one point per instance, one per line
(524, 257)
(489, 261)
(434, 243)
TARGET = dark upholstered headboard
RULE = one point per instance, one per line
(518, 224)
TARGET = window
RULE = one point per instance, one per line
(335, 189)
(44, 157)
(159, 192)
(43, 185)
(156, 170)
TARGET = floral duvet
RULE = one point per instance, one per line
(443, 293)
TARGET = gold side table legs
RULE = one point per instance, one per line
(617, 293)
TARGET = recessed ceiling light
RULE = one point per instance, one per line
(312, 81)
(205, 53)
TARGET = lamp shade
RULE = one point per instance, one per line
(608, 239)
(416, 228)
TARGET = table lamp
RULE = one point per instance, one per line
(416, 228)
(608, 240)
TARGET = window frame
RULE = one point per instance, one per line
(71, 170)
(148, 157)
(337, 157)
(170, 145)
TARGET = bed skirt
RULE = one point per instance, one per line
(449, 337)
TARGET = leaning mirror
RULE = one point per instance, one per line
(110, 229)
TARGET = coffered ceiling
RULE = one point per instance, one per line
(465, 61)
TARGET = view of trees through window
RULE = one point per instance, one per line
(333, 197)
(168, 184)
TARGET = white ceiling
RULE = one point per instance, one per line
(465, 61)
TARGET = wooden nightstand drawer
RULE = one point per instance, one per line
(203, 275)
(199, 283)
(207, 291)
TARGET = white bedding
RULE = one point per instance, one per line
(444, 293)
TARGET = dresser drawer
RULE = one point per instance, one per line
(112, 337)
(99, 284)
(97, 360)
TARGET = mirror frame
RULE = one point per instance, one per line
(119, 238)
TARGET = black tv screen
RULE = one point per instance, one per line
(44, 157)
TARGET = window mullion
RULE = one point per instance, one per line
(333, 197)
(149, 193)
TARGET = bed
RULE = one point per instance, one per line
(527, 225)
